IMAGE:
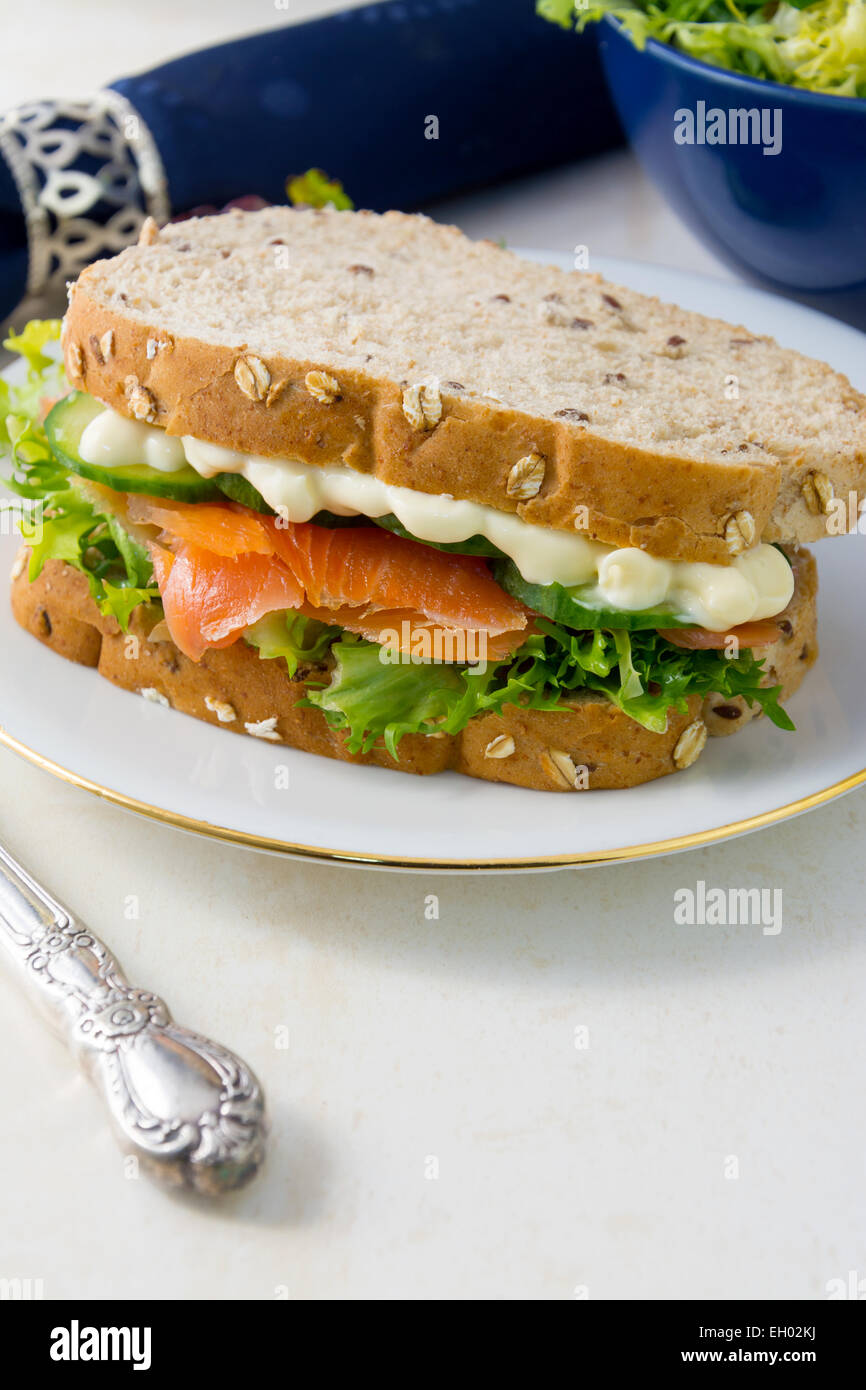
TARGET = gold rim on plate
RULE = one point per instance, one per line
(626, 854)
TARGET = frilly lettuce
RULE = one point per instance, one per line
(59, 522)
(118, 569)
(374, 700)
(819, 46)
(639, 672)
(296, 639)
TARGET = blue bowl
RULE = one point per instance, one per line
(794, 220)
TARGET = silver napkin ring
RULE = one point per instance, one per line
(88, 173)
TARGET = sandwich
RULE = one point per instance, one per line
(356, 484)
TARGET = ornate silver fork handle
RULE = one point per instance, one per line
(190, 1110)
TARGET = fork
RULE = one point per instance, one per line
(190, 1111)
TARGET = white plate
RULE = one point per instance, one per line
(152, 760)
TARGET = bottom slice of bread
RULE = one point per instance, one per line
(586, 744)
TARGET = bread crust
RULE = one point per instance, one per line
(606, 748)
(632, 496)
(624, 495)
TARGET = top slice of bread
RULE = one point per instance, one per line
(307, 333)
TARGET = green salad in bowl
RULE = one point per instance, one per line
(751, 120)
(819, 46)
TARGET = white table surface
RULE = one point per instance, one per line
(602, 1169)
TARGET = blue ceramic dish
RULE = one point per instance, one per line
(795, 220)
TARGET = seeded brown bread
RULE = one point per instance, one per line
(588, 745)
(401, 348)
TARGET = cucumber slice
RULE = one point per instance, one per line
(67, 421)
(579, 605)
(239, 490)
(334, 522)
(473, 545)
(65, 425)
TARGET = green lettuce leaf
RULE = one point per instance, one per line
(118, 570)
(315, 190)
(22, 438)
(120, 601)
(45, 375)
(59, 538)
(293, 637)
(59, 523)
(31, 344)
(135, 557)
(374, 699)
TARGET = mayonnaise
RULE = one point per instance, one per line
(757, 584)
(114, 440)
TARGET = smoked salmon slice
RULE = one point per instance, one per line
(220, 568)
(404, 629)
(757, 634)
(209, 599)
(363, 565)
(221, 529)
